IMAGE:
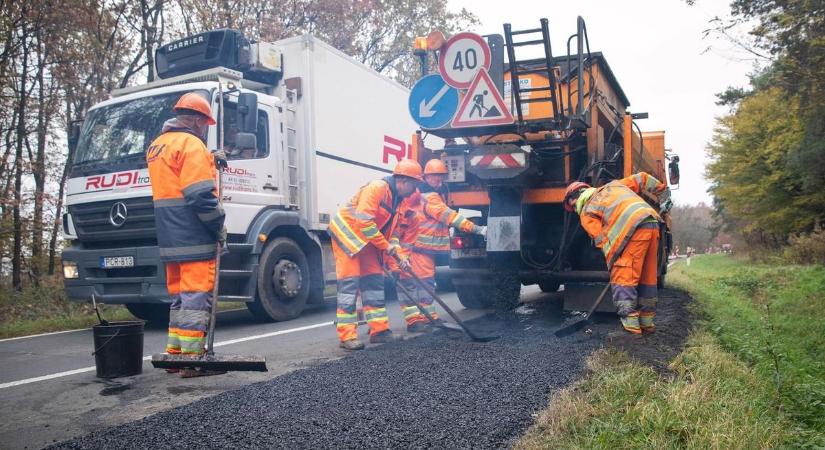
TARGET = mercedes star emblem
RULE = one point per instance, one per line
(118, 213)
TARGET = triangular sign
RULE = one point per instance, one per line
(482, 105)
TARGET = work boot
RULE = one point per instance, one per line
(382, 337)
(352, 344)
(646, 321)
(418, 327)
(630, 323)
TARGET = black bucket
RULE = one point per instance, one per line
(118, 349)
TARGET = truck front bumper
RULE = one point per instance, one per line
(143, 283)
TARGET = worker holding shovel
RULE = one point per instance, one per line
(423, 233)
(626, 229)
(189, 220)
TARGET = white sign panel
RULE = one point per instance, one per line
(482, 106)
(463, 56)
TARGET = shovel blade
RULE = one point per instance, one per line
(572, 328)
(210, 362)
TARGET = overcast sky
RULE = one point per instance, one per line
(656, 51)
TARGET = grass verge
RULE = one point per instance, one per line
(44, 309)
(751, 376)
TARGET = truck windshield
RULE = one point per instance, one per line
(125, 129)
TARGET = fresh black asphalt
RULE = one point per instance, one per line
(433, 391)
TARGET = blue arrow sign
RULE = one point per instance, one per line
(433, 102)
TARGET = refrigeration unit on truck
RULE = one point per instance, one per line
(570, 122)
(304, 127)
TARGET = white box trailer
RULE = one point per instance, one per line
(324, 127)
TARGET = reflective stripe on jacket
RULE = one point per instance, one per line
(368, 217)
(613, 212)
(188, 215)
(426, 227)
(434, 229)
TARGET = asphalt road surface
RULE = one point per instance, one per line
(49, 392)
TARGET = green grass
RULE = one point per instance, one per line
(44, 309)
(751, 376)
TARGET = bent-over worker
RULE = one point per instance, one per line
(360, 231)
(189, 220)
(626, 229)
(424, 235)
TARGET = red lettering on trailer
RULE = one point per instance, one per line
(397, 148)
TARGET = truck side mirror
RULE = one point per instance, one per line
(246, 141)
(74, 134)
(247, 119)
(673, 168)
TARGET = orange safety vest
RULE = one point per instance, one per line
(188, 215)
(433, 233)
(615, 210)
(367, 218)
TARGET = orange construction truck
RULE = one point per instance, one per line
(570, 122)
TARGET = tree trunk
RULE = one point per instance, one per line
(58, 212)
(17, 252)
(39, 163)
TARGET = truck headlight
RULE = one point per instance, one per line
(70, 270)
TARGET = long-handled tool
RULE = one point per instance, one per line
(574, 327)
(443, 304)
(430, 318)
(209, 360)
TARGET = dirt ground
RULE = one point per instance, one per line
(673, 325)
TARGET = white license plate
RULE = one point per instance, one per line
(468, 253)
(110, 262)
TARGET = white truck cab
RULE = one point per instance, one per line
(304, 127)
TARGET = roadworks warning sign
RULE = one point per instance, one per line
(482, 105)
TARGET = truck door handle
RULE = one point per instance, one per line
(270, 186)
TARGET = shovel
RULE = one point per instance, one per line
(574, 327)
(443, 304)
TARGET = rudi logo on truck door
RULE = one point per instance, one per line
(132, 179)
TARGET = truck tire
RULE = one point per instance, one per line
(156, 314)
(549, 286)
(505, 292)
(283, 281)
(472, 296)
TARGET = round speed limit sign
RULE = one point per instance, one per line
(463, 56)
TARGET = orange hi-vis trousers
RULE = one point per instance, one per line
(362, 273)
(190, 285)
(633, 275)
(423, 266)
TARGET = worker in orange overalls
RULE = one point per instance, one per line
(626, 229)
(422, 236)
(360, 231)
(189, 220)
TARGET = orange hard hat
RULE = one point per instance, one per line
(574, 187)
(435, 167)
(196, 103)
(408, 168)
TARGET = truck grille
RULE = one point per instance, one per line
(93, 221)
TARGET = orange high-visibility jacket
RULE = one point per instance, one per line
(368, 218)
(188, 215)
(431, 232)
(613, 212)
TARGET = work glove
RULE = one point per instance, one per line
(220, 159)
(404, 264)
(394, 250)
(480, 230)
(222, 240)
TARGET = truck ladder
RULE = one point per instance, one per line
(516, 70)
(292, 150)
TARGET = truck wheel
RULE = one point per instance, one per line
(505, 292)
(444, 283)
(549, 286)
(471, 296)
(283, 281)
(156, 314)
